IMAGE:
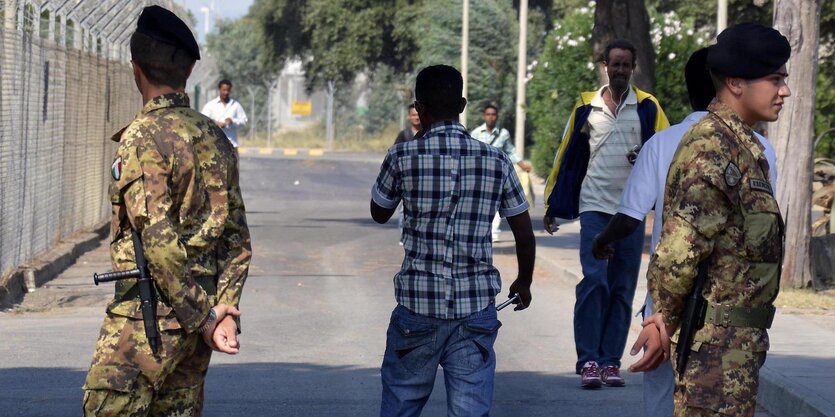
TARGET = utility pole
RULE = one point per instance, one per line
(252, 130)
(465, 56)
(721, 16)
(270, 86)
(329, 115)
(521, 73)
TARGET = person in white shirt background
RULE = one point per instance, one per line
(644, 191)
(227, 112)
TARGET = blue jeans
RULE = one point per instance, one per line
(603, 309)
(416, 345)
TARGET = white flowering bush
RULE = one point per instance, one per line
(565, 68)
(674, 40)
(555, 80)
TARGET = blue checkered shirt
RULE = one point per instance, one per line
(451, 186)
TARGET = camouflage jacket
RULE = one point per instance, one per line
(175, 181)
(719, 203)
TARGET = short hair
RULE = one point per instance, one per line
(718, 80)
(224, 81)
(438, 88)
(411, 106)
(620, 44)
(162, 63)
(490, 106)
(700, 88)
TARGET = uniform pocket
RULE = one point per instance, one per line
(762, 237)
(414, 342)
(111, 377)
(723, 380)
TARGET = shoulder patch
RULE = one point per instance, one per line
(732, 175)
(760, 185)
(116, 169)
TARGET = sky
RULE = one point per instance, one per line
(225, 9)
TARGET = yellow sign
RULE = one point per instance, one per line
(301, 108)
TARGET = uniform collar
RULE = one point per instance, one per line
(166, 100)
(156, 103)
(743, 132)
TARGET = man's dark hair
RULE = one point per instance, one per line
(162, 63)
(620, 44)
(718, 81)
(411, 106)
(438, 88)
(700, 88)
(490, 106)
(224, 82)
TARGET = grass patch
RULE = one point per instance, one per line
(805, 300)
(313, 137)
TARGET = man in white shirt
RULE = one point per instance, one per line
(644, 190)
(493, 135)
(227, 112)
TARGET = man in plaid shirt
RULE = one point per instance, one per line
(451, 185)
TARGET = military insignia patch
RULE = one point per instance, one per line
(732, 175)
(116, 169)
(761, 185)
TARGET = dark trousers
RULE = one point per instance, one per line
(603, 308)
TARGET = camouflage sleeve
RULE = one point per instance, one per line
(697, 205)
(150, 210)
(235, 249)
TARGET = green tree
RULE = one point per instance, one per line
(564, 68)
(492, 51)
(674, 40)
(237, 50)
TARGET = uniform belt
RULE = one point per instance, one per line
(735, 316)
(207, 282)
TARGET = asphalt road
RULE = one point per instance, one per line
(316, 307)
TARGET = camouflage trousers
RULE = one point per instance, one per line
(718, 381)
(126, 379)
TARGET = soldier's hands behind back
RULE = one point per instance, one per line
(655, 339)
(221, 312)
(225, 337)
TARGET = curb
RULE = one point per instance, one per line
(776, 393)
(782, 397)
(44, 268)
(281, 151)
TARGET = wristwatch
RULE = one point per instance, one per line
(209, 321)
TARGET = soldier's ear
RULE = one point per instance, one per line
(734, 85)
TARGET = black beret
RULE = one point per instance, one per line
(163, 26)
(748, 50)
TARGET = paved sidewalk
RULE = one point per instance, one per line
(798, 378)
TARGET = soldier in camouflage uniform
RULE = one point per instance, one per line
(175, 182)
(720, 208)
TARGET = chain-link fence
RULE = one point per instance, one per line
(65, 87)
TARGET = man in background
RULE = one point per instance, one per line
(227, 112)
(493, 135)
(587, 180)
(409, 133)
